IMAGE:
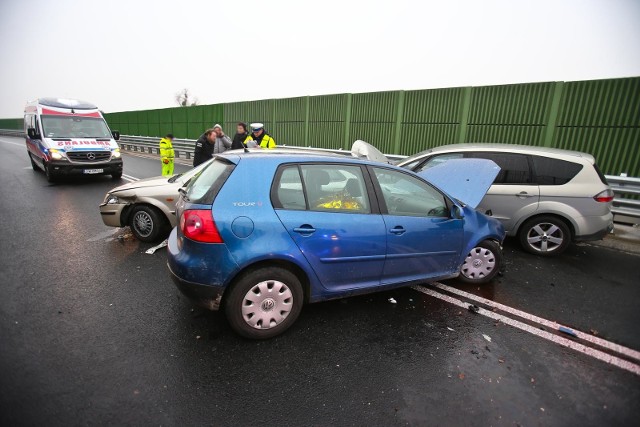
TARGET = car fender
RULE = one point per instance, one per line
(479, 227)
(171, 217)
(562, 210)
(314, 287)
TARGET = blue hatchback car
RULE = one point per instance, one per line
(263, 232)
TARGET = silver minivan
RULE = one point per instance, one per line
(546, 197)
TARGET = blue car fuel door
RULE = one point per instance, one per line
(326, 211)
(423, 240)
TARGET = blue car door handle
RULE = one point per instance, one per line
(304, 229)
(397, 230)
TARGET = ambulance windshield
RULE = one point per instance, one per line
(74, 127)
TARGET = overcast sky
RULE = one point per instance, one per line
(130, 55)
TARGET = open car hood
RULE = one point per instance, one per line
(364, 150)
(468, 180)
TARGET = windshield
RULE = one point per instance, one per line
(74, 127)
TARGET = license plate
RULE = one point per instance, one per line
(93, 171)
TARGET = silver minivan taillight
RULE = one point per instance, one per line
(605, 196)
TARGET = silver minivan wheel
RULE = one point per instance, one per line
(546, 236)
(267, 304)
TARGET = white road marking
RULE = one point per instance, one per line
(597, 354)
(544, 322)
(129, 178)
(14, 143)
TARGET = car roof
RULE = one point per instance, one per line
(511, 148)
(286, 155)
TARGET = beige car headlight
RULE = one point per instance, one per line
(112, 200)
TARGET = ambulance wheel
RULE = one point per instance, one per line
(148, 224)
(34, 165)
(51, 177)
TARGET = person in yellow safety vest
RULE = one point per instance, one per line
(262, 139)
(167, 154)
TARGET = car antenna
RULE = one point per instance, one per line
(246, 150)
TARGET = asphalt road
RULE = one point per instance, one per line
(93, 332)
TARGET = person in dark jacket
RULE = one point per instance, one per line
(204, 147)
(241, 137)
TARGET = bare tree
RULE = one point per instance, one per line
(185, 99)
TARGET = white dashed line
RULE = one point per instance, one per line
(589, 351)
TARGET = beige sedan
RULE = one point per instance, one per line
(147, 206)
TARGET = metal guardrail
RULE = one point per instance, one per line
(621, 185)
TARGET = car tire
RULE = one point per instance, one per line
(270, 294)
(51, 177)
(116, 175)
(34, 165)
(545, 236)
(482, 263)
(148, 224)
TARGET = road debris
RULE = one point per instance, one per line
(393, 301)
(451, 329)
(567, 331)
(152, 250)
(474, 308)
(486, 337)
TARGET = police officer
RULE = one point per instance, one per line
(261, 138)
(167, 155)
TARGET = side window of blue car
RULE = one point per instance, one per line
(406, 195)
(287, 192)
(326, 188)
(337, 188)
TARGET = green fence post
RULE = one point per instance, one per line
(306, 121)
(398, 126)
(347, 123)
(273, 115)
(553, 114)
(464, 113)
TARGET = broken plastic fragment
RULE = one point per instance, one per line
(152, 250)
(567, 331)
(486, 337)
(392, 301)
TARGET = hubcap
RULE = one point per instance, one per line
(143, 224)
(545, 237)
(479, 263)
(267, 304)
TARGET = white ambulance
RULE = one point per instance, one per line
(69, 137)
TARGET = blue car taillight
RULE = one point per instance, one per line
(198, 225)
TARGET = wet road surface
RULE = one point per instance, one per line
(92, 331)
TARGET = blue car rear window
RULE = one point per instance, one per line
(204, 187)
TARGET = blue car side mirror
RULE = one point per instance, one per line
(456, 212)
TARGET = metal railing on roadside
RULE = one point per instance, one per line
(624, 185)
(621, 185)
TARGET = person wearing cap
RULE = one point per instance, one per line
(261, 138)
(167, 155)
(241, 138)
